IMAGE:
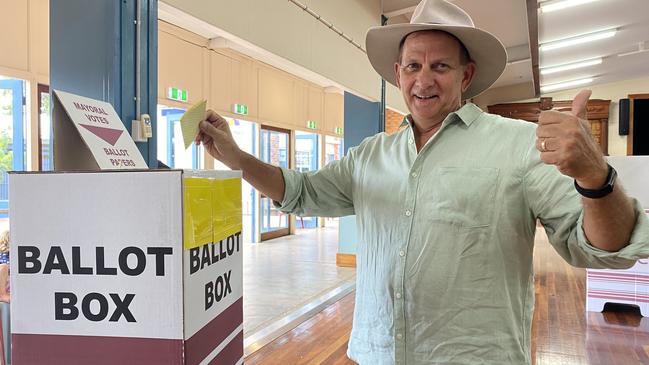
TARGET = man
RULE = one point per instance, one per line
(446, 208)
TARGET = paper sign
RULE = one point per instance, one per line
(102, 131)
(190, 120)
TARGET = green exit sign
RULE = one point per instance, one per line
(240, 109)
(338, 130)
(177, 94)
(311, 124)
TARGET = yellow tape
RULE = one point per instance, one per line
(226, 208)
(212, 210)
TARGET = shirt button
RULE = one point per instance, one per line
(411, 140)
(408, 213)
(414, 174)
(399, 336)
(402, 253)
(398, 295)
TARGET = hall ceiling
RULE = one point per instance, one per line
(508, 20)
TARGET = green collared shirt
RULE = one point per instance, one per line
(444, 258)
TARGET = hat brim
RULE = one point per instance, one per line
(382, 44)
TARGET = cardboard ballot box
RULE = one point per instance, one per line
(630, 286)
(126, 267)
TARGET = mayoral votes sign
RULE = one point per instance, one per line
(102, 131)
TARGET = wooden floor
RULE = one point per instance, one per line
(562, 332)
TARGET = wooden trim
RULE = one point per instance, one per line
(346, 259)
(274, 234)
(533, 30)
(638, 96)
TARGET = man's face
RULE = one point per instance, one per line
(431, 76)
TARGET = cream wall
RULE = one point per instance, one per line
(285, 30)
(24, 54)
(225, 77)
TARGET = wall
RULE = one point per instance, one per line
(225, 77)
(393, 121)
(361, 121)
(285, 30)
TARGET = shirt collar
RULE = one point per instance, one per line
(467, 114)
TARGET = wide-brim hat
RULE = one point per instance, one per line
(485, 49)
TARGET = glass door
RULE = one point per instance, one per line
(275, 150)
(46, 160)
(171, 147)
(307, 158)
(333, 150)
(12, 135)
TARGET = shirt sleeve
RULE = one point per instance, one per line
(327, 192)
(555, 202)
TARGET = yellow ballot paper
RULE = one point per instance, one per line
(190, 120)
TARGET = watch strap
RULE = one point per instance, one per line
(604, 190)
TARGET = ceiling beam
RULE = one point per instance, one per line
(533, 31)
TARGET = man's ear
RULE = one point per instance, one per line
(468, 75)
(397, 75)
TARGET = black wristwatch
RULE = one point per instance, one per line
(604, 190)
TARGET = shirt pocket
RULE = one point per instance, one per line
(461, 196)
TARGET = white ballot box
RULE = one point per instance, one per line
(126, 267)
(629, 286)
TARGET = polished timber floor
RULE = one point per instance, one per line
(562, 333)
(282, 275)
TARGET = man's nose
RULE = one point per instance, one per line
(426, 77)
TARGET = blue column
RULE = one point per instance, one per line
(362, 119)
(93, 48)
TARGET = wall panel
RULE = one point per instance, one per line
(180, 64)
(14, 37)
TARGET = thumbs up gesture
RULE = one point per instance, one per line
(564, 140)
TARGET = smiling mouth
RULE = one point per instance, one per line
(422, 97)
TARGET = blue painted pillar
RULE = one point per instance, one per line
(362, 119)
(93, 50)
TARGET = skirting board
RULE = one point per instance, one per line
(346, 259)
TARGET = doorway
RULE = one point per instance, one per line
(275, 150)
(12, 135)
(638, 138)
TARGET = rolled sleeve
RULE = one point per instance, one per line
(327, 192)
(637, 247)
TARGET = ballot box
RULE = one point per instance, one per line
(630, 286)
(126, 267)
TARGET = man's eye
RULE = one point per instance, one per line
(412, 67)
(440, 66)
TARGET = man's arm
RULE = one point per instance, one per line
(564, 140)
(215, 135)
(609, 221)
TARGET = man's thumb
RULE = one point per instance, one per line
(580, 104)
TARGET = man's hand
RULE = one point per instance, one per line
(564, 140)
(218, 141)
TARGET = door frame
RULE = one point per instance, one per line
(40, 90)
(264, 236)
(629, 137)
